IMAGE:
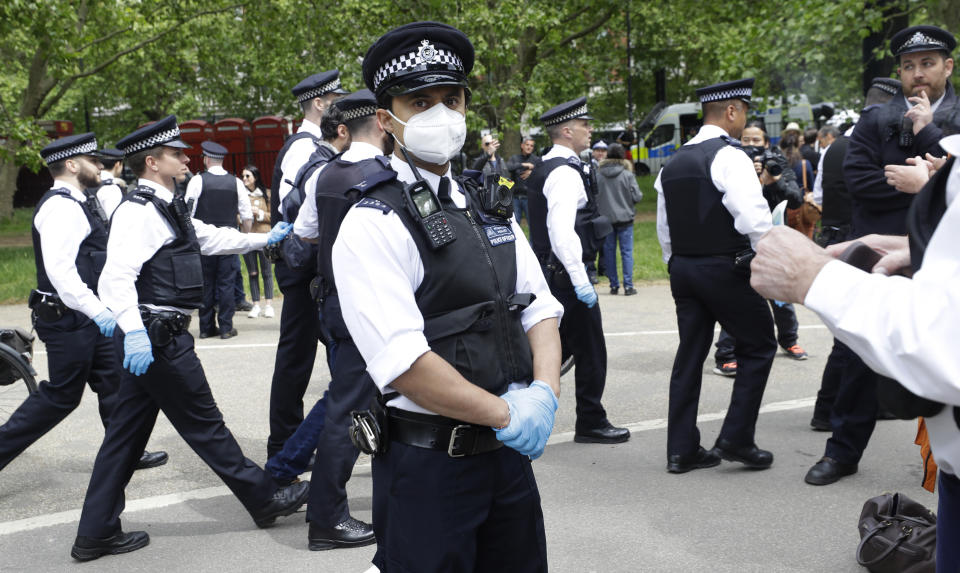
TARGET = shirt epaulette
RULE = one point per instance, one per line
(375, 180)
(374, 204)
(731, 141)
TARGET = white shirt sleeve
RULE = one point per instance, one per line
(63, 225)
(818, 180)
(663, 227)
(191, 195)
(297, 155)
(307, 224)
(734, 175)
(565, 194)
(243, 202)
(226, 240)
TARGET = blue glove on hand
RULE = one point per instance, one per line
(106, 322)
(137, 352)
(532, 411)
(587, 294)
(278, 232)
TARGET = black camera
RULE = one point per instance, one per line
(771, 159)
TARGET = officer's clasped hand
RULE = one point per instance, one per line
(532, 411)
(586, 294)
(278, 232)
(106, 323)
(137, 352)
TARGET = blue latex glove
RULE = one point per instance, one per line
(137, 352)
(106, 322)
(278, 232)
(587, 294)
(532, 411)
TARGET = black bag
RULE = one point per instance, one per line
(897, 535)
(19, 347)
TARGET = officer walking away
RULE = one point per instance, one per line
(458, 329)
(217, 197)
(911, 124)
(332, 191)
(562, 199)
(521, 166)
(112, 186)
(153, 280)
(710, 212)
(69, 245)
(297, 345)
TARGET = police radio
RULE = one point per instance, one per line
(423, 206)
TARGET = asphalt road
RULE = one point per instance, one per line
(607, 508)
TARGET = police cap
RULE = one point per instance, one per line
(418, 55)
(165, 132)
(213, 150)
(887, 85)
(573, 109)
(319, 85)
(358, 104)
(70, 146)
(111, 153)
(922, 39)
(737, 89)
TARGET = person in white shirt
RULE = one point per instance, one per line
(112, 185)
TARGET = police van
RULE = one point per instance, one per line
(667, 127)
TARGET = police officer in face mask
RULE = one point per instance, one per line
(456, 324)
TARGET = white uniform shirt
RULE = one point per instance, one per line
(62, 224)
(565, 193)
(136, 234)
(913, 338)
(195, 188)
(378, 268)
(307, 222)
(733, 175)
(297, 155)
(818, 181)
(109, 195)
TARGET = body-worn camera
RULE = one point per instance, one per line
(772, 160)
(497, 196)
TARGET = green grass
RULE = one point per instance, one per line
(18, 224)
(19, 274)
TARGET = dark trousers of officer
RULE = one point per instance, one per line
(581, 334)
(174, 383)
(854, 413)
(351, 388)
(77, 354)
(219, 304)
(708, 290)
(785, 319)
(948, 523)
(840, 354)
(433, 513)
(296, 353)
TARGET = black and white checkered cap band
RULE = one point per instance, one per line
(409, 61)
(885, 88)
(213, 155)
(572, 114)
(82, 149)
(921, 39)
(152, 141)
(319, 91)
(359, 112)
(735, 93)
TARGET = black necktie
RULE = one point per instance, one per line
(443, 191)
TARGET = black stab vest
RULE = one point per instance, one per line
(278, 174)
(173, 276)
(467, 294)
(591, 227)
(699, 223)
(218, 200)
(91, 255)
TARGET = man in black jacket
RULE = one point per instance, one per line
(521, 166)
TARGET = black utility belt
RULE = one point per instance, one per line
(439, 433)
(163, 325)
(47, 307)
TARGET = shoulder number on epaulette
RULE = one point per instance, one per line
(372, 203)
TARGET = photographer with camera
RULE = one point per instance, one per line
(779, 184)
(521, 166)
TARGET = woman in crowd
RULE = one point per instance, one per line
(618, 195)
(260, 204)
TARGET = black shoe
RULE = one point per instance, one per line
(614, 290)
(90, 548)
(827, 471)
(593, 278)
(820, 425)
(605, 434)
(285, 500)
(629, 291)
(151, 460)
(350, 533)
(231, 334)
(244, 305)
(677, 464)
(208, 334)
(750, 456)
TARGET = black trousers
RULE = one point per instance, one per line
(785, 319)
(854, 413)
(219, 304)
(296, 353)
(708, 290)
(174, 383)
(77, 355)
(581, 335)
(351, 388)
(840, 354)
(433, 513)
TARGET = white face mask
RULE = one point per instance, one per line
(434, 136)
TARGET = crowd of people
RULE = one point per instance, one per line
(444, 329)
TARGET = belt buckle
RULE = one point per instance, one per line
(454, 436)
